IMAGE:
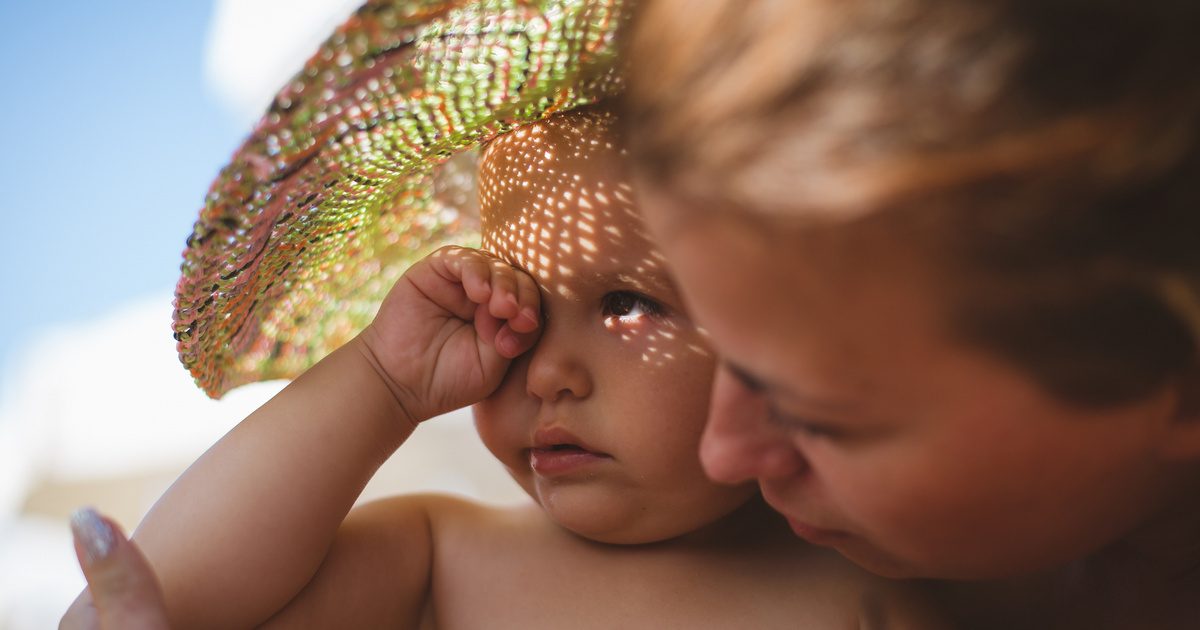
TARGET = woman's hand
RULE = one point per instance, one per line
(122, 591)
(447, 331)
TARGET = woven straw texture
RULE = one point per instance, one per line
(364, 163)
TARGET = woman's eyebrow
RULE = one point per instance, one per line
(759, 385)
(749, 381)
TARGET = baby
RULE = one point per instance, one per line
(590, 385)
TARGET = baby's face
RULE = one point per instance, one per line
(601, 421)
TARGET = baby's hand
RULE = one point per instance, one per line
(446, 333)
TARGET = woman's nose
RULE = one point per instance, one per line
(740, 443)
(556, 367)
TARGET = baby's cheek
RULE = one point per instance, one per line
(660, 345)
(487, 423)
(497, 423)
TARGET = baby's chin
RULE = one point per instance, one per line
(633, 522)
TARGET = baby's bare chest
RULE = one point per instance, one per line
(605, 588)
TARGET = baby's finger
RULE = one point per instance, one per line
(475, 273)
(487, 326)
(529, 299)
(503, 303)
(511, 344)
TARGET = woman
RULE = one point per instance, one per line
(950, 253)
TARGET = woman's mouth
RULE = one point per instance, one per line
(816, 535)
(811, 533)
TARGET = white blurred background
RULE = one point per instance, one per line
(114, 118)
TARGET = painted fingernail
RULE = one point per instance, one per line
(95, 535)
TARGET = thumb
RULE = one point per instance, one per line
(123, 588)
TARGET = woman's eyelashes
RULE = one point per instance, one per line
(627, 307)
(804, 426)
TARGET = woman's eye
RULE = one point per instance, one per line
(809, 428)
(629, 307)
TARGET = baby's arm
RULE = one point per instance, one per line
(377, 573)
(244, 529)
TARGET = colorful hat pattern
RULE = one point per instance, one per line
(363, 163)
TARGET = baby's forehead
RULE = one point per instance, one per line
(555, 199)
(566, 169)
(568, 154)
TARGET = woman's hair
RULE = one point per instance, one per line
(1050, 147)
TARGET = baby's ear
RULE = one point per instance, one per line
(1183, 441)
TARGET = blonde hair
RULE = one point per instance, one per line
(1054, 143)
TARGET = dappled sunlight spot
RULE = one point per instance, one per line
(662, 345)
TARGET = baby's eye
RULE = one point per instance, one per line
(629, 307)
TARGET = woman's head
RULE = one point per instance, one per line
(995, 198)
(601, 421)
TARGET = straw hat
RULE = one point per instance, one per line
(363, 164)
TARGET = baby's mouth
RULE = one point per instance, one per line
(557, 453)
(558, 440)
(554, 459)
(565, 449)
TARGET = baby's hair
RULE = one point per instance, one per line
(1047, 150)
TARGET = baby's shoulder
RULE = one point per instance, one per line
(443, 518)
(385, 557)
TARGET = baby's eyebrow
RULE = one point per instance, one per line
(647, 281)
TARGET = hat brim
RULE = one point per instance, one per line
(348, 177)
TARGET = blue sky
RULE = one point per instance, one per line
(110, 140)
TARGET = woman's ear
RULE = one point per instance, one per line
(1183, 435)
